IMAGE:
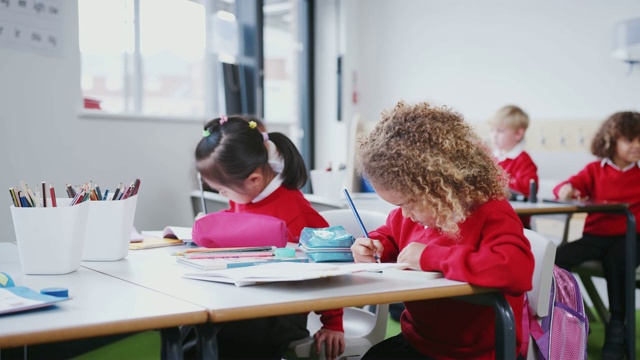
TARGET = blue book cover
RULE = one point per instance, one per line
(20, 298)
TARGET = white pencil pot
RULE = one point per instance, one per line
(108, 233)
(50, 240)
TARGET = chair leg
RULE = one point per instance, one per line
(188, 337)
(171, 346)
(602, 310)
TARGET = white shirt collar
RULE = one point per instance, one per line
(511, 154)
(273, 186)
(608, 161)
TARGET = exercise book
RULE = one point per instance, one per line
(228, 263)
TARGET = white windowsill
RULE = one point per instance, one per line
(102, 115)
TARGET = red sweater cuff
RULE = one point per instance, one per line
(433, 262)
(332, 319)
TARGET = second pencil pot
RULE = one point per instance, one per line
(108, 232)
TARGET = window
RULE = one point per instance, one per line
(165, 58)
(280, 60)
(143, 56)
(288, 83)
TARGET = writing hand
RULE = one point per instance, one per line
(366, 250)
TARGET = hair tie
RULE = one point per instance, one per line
(265, 136)
(223, 119)
(206, 133)
(252, 124)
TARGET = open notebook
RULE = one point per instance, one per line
(169, 236)
(171, 232)
(286, 271)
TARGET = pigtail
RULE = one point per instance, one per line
(294, 173)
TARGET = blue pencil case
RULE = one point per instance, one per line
(330, 244)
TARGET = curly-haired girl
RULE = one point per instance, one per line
(453, 217)
(614, 177)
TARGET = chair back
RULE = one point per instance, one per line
(544, 253)
(345, 217)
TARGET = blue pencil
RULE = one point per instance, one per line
(355, 212)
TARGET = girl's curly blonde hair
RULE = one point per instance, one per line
(431, 155)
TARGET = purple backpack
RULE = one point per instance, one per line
(563, 333)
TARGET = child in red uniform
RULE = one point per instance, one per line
(453, 217)
(615, 177)
(233, 159)
(508, 127)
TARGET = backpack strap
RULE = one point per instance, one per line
(527, 318)
(530, 327)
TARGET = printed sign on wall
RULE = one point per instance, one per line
(32, 25)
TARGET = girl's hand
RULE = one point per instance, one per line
(332, 340)
(411, 254)
(366, 250)
(567, 192)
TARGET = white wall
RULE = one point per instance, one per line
(328, 129)
(45, 140)
(553, 58)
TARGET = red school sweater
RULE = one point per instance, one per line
(521, 171)
(491, 251)
(601, 181)
(289, 205)
(295, 210)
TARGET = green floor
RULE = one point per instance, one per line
(141, 346)
(145, 345)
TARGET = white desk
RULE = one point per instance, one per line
(101, 305)
(365, 201)
(156, 269)
(370, 201)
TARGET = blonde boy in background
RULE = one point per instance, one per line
(508, 127)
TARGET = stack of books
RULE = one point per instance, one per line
(224, 258)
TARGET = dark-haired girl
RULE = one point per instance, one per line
(232, 158)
